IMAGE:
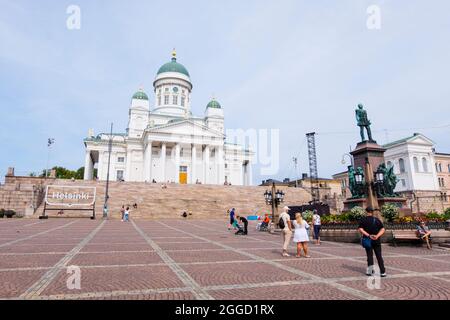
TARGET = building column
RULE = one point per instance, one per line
(249, 174)
(177, 163)
(194, 165)
(88, 166)
(206, 165)
(100, 166)
(148, 163)
(163, 162)
(220, 166)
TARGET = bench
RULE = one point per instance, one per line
(408, 235)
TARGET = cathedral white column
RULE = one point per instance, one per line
(88, 166)
(177, 163)
(206, 165)
(100, 166)
(220, 166)
(148, 163)
(194, 165)
(163, 162)
(250, 174)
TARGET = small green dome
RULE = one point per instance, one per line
(214, 104)
(140, 95)
(174, 66)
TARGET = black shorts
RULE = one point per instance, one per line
(231, 220)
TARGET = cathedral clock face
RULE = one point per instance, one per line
(175, 89)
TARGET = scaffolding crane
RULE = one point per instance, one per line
(314, 176)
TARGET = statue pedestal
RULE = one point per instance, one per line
(369, 155)
(368, 150)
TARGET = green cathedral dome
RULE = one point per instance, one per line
(174, 66)
(214, 104)
(140, 95)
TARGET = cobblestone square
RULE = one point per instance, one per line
(178, 260)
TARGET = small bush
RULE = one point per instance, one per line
(406, 219)
(2, 213)
(389, 212)
(447, 214)
(307, 215)
(434, 216)
(356, 214)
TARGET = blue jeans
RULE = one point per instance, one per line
(126, 217)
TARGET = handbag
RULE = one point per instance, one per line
(366, 242)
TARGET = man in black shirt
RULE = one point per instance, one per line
(245, 222)
(371, 227)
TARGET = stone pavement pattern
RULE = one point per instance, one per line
(177, 260)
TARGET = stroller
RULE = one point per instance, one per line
(240, 228)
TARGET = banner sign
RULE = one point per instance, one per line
(70, 196)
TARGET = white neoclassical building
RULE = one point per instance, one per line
(166, 143)
(413, 162)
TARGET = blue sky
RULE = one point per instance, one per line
(299, 66)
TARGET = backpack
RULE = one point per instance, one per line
(281, 224)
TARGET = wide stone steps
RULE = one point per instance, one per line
(203, 201)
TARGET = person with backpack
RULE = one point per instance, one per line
(371, 229)
(286, 230)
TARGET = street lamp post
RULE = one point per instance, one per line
(49, 144)
(348, 155)
(273, 198)
(105, 207)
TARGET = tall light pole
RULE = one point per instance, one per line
(348, 155)
(105, 207)
(296, 171)
(49, 144)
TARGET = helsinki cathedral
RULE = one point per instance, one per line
(164, 142)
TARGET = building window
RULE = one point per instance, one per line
(416, 164)
(440, 167)
(449, 168)
(183, 101)
(175, 100)
(121, 159)
(401, 164)
(425, 165)
(166, 100)
(119, 175)
(166, 90)
(404, 183)
(159, 100)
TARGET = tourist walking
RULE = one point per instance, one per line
(371, 229)
(317, 225)
(232, 214)
(122, 212)
(126, 215)
(286, 230)
(301, 237)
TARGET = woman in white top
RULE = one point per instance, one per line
(301, 235)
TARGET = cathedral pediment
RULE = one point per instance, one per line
(185, 127)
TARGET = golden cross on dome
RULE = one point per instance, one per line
(174, 53)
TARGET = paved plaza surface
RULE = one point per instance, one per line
(175, 259)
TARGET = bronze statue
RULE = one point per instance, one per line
(363, 123)
(357, 190)
(386, 189)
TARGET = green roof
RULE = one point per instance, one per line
(214, 104)
(140, 95)
(173, 66)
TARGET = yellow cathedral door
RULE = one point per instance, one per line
(183, 175)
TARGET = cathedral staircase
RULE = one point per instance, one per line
(203, 201)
